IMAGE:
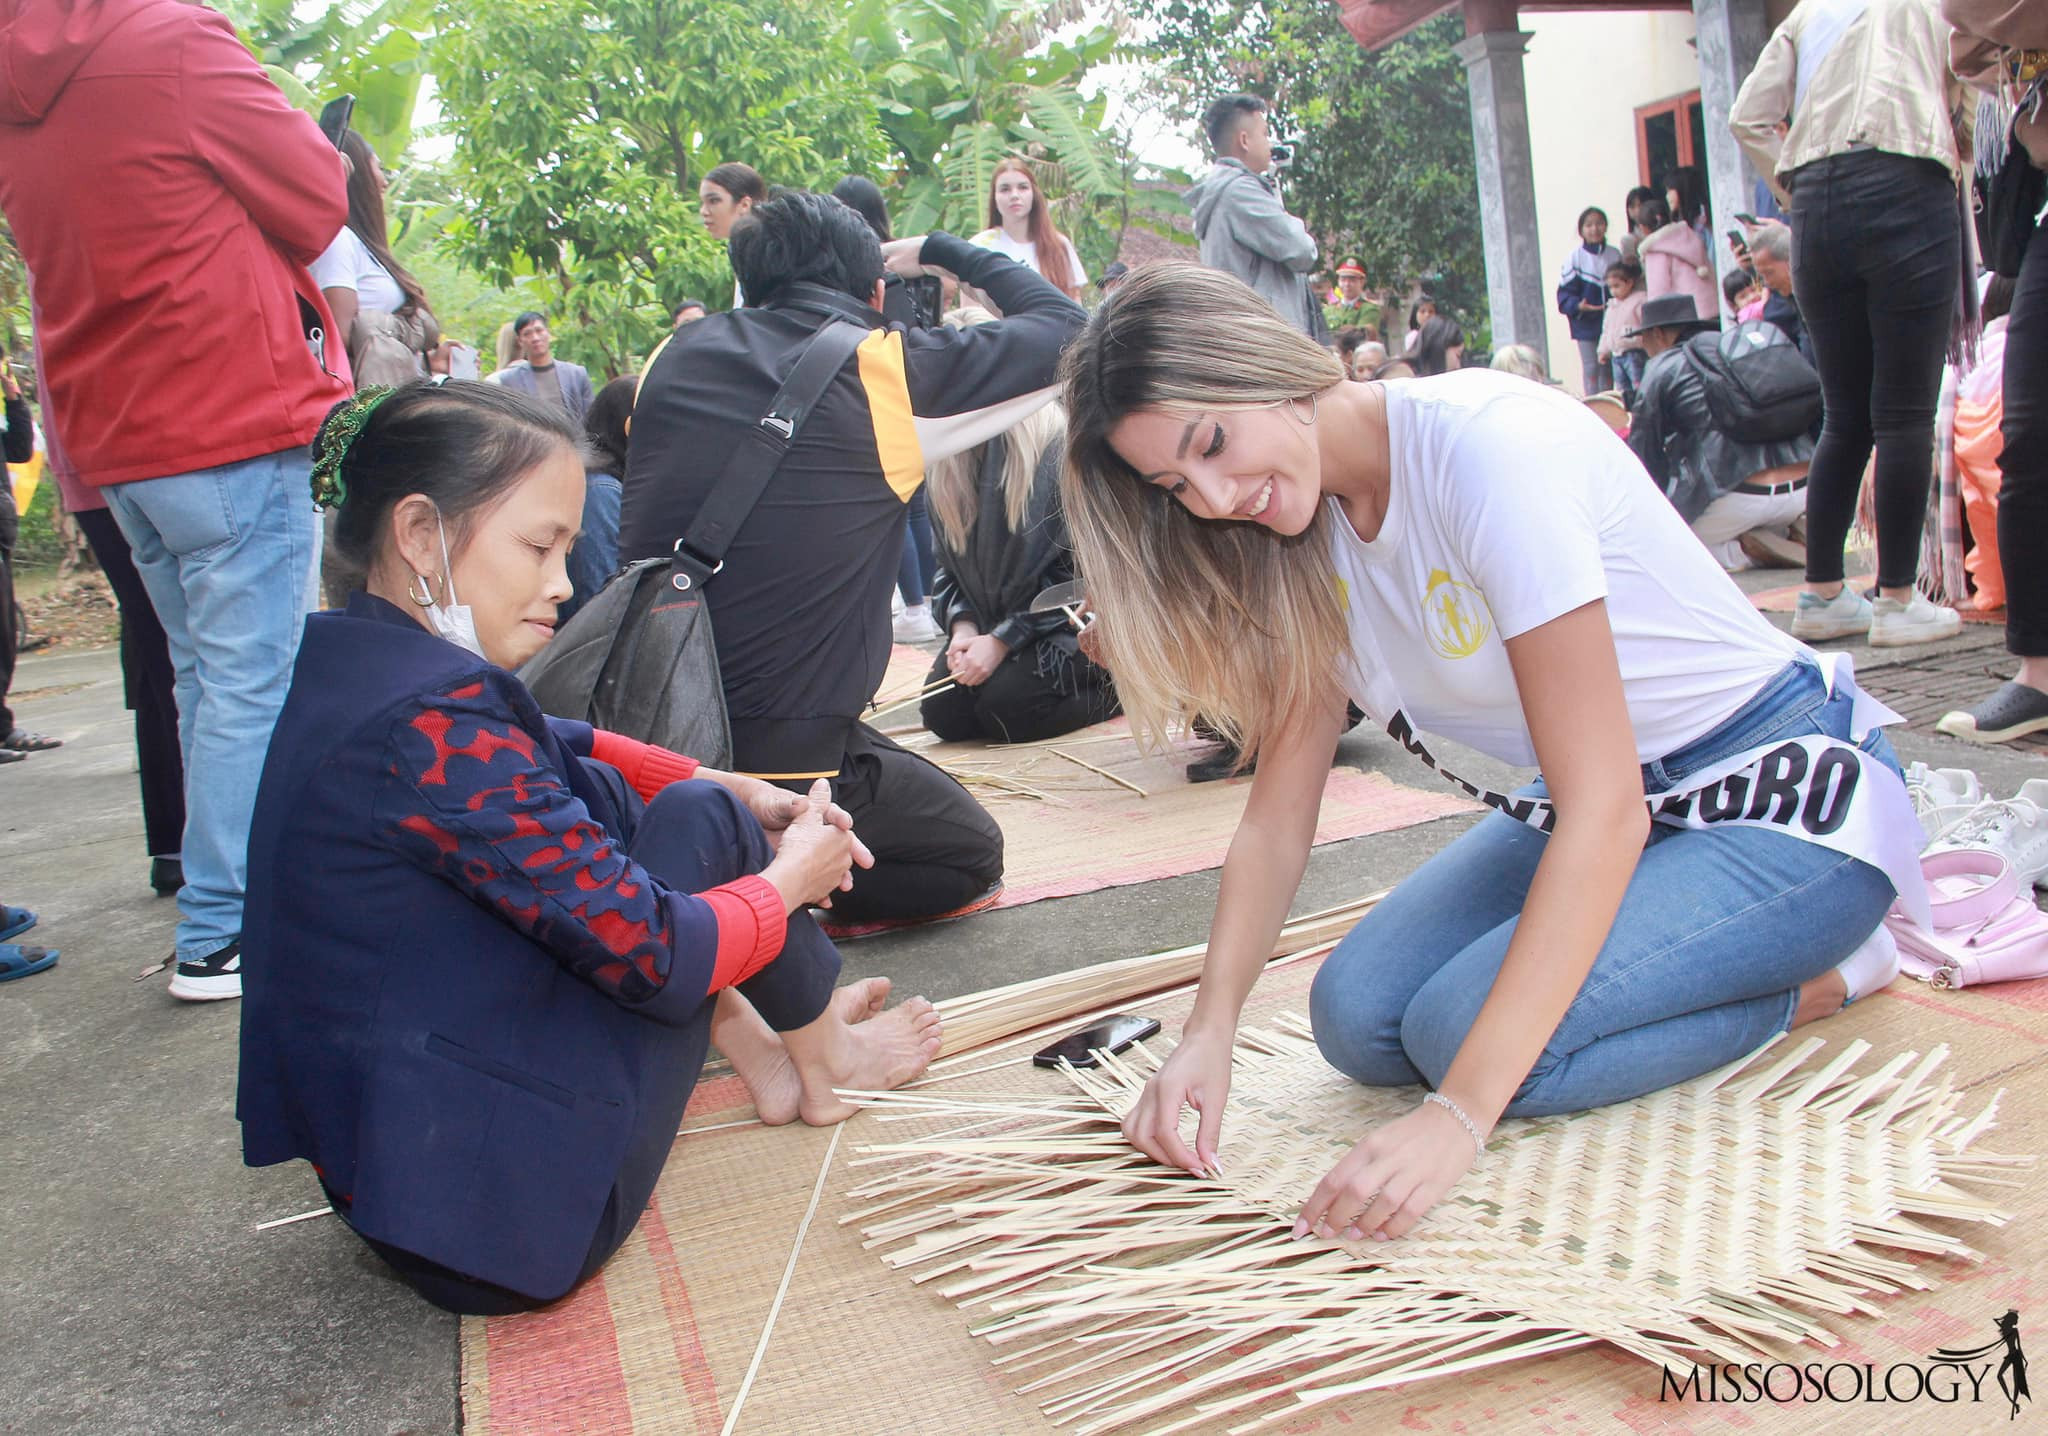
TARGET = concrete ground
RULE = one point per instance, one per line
(138, 1295)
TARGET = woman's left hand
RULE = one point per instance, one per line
(1382, 1187)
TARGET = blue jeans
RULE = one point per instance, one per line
(1717, 930)
(915, 569)
(1628, 372)
(595, 558)
(230, 558)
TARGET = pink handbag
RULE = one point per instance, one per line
(1986, 927)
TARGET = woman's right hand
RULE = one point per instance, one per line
(1196, 1075)
(815, 857)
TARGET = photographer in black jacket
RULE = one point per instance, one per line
(801, 608)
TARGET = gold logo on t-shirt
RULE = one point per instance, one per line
(1455, 618)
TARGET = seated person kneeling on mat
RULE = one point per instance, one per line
(1018, 676)
(801, 607)
(1482, 556)
(484, 948)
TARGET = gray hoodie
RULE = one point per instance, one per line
(1245, 230)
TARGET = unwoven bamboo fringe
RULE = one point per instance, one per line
(1712, 1221)
(980, 1018)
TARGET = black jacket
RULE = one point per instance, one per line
(21, 434)
(992, 579)
(1672, 432)
(801, 608)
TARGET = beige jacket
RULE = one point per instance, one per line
(1848, 73)
(1993, 40)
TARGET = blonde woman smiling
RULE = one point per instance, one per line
(1478, 557)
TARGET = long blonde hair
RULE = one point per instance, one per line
(952, 485)
(1226, 620)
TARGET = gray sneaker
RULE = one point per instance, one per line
(1843, 616)
(1895, 625)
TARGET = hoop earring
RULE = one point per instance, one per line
(420, 591)
(1293, 408)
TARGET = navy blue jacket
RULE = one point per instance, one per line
(461, 999)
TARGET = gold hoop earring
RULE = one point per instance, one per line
(1293, 408)
(420, 591)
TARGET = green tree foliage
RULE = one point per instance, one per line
(372, 49)
(1385, 170)
(582, 134)
(962, 84)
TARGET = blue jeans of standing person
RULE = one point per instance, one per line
(1628, 372)
(230, 557)
(595, 556)
(917, 567)
(1716, 932)
(1875, 263)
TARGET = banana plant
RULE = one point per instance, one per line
(372, 49)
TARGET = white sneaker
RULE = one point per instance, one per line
(1843, 616)
(1894, 624)
(2016, 828)
(1942, 797)
(916, 625)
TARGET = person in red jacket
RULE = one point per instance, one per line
(167, 200)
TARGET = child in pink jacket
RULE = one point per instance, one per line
(1625, 298)
(1675, 262)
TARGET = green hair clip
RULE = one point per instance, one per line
(330, 490)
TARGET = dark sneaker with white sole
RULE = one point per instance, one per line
(211, 980)
(2014, 711)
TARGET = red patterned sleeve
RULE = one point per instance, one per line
(471, 798)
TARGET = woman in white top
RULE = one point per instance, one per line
(379, 308)
(1480, 557)
(1021, 227)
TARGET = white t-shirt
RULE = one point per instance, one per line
(1025, 252)
(1511, 505)
(348, 264)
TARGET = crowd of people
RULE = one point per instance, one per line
(464, 929)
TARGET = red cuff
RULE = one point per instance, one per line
(646, 768)
(751, 926)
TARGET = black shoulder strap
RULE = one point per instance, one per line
(700, 553)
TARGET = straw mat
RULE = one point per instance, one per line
(663, 1339)
(1068, 828)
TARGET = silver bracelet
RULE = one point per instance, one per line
(1471, 1129)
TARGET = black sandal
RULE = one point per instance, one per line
(8, 755)
(23, 741)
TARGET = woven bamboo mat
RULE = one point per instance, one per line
(663, 1341)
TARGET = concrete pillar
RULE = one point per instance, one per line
(1730, 34)
(1507, 182)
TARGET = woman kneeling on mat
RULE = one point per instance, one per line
(1018, 676)
(1482, 558)
(485, 948)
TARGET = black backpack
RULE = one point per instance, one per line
(1759, 387)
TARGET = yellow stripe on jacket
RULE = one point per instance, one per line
(882, 376)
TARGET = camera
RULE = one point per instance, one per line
(1283, 156)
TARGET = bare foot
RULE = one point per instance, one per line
(758, 1055)
(858, 1001)
(1823, 997)
(875, 1055)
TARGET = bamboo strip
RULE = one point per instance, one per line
(1104, 772)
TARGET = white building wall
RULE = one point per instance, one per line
(1587, 73)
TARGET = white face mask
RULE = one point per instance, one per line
(453, 620)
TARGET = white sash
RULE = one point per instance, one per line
(1815, 788)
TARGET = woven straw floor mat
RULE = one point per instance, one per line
(662, 1341)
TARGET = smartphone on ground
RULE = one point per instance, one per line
(1111, 1034)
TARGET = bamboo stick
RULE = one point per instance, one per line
(1120, 782)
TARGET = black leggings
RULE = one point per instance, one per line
(2023, 494)
(1875, 251)
(1018, 703)
(695, 836)
(936, 849)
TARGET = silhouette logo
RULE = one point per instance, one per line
(2012, 1361)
